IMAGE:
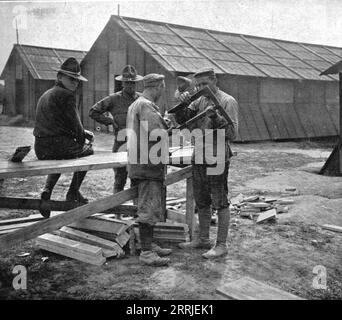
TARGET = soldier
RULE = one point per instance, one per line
(117, 104)
(183, 84)
(58, 131)
(211, 189)
(143, 117)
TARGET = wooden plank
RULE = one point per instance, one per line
(284, 113)
(249, 289)
(73, 245)
(251, 125)
(332, 227)
(259, 121)
(175, 215)
(30, 218)
(66, 218)
(98, 161)
(179, 175)
(297, 125)
(77, 235)
(271, 123)
(280, 123)
(243, 127)
(267, 215)
(175, 201)
(67, 249)
(101, 223)
(303, 110)
(123, 238)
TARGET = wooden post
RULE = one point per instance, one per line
(190, 206)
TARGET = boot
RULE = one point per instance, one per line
(73, 192)
(150, 258)
(162, 252)
(223, 215)
(203, 242)
(219, 250)
(50, 183)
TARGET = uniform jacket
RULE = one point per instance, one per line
(143, 110)
(57, 115)
(228, 103)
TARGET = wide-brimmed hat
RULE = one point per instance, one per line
(71, 68)
(129, 74)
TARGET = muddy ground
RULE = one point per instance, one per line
(282, 254)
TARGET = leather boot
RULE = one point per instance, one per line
(221, 248)
(203, 242)
(50, 183)
(73, 192)
(162, 252)
(150, 258)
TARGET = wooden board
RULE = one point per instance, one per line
(267, 215)
(249, 289)
(97, 161)
(176, 216)
(332, 227)
(259, 120)
(73, 245)
(77, 235)
(66, 218)
(103, 224)
(65, 251)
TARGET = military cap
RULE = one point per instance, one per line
(71, 68)
(152, 79)
(129, 74)
(206, 72)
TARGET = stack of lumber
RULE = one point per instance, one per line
(90, 240)
(258, 207)
(167, 232)
(171, 232)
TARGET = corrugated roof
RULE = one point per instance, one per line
(41, 60)
(185, 49)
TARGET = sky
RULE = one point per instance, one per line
(75, 24)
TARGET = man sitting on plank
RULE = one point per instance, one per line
(58, 131)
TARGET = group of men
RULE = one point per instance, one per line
(59, 134)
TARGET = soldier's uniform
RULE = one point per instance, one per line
(59, 133)
(211, 190)
(117, 104)
(147, 174)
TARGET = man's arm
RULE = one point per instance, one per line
(97, 111)
(72, 120)
(231, 107)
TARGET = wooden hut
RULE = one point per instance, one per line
(28, 73)
(276, 82)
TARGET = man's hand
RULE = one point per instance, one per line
(89, 135)
(185, 97)
(211, 112)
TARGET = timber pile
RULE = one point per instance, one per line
(167, 233)
(90, 240)
(259, 208)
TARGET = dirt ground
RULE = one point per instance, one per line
(282, 254)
